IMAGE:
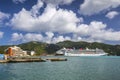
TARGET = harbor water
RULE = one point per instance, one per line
(75, 68)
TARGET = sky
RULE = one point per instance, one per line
(53, 21)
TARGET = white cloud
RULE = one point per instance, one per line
(58, 2)
(53, 2)
(3, 16)
(90, 7)
(18, 1)
(55, 20)
(94, 32)
(97, 31)
(27, 37)
(52, 19)
(1, 34)
(92, 28)
(49, 34)
(35, 8)
(49, 38)
(111, 14)
(107, 36)
(32, 37)
(16, 36)
(60, 38)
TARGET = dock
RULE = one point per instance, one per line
(25, 60)
(20, 60)
(4, 61)
(57, 59)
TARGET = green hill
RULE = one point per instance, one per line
(38, 47)
(41, 48)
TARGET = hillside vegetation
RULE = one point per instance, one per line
(41, 48)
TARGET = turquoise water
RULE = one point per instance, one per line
(76, 68)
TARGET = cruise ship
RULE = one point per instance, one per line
(81, 52)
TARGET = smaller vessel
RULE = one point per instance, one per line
(81, 52)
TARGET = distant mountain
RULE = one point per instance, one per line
(41, 48)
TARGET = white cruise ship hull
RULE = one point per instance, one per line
(84, 52)
(100, 54)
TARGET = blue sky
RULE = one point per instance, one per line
(53, 21)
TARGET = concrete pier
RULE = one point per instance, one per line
(18, 60)
(30, 59)
(4, 61)
(57, 59)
